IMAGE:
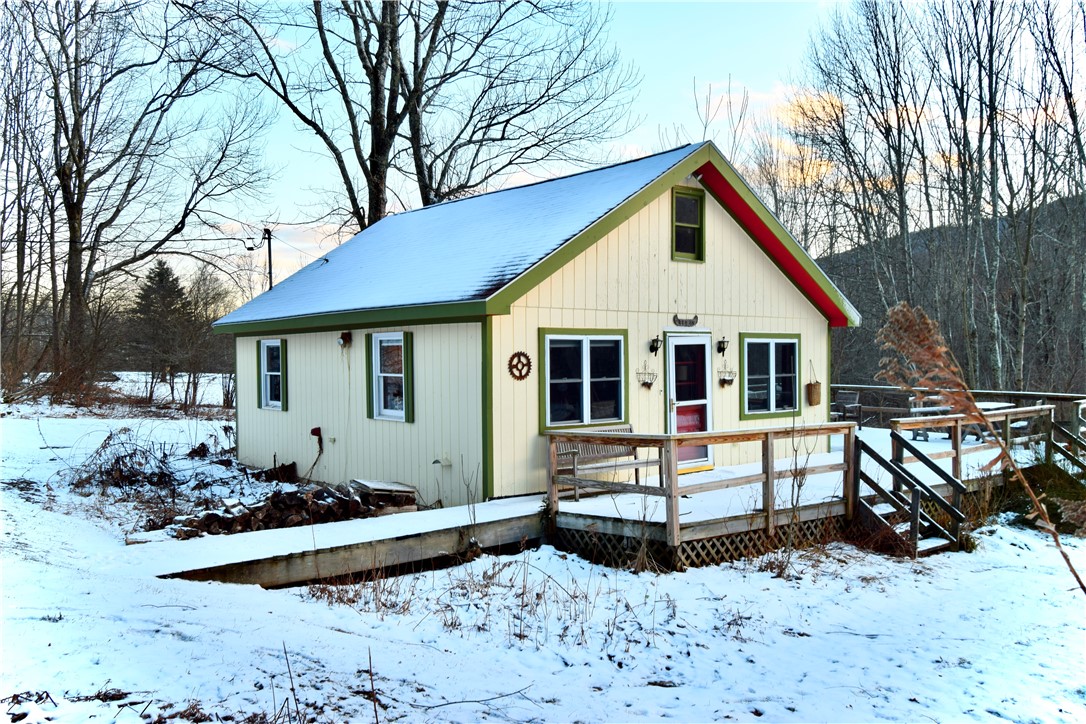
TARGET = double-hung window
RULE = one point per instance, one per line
(390, 376)
(688, 224)
(584, 378)
(770, 376)
(271, 361)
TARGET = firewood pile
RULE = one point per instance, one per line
(289, 509)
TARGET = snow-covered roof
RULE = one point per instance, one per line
(457, 251)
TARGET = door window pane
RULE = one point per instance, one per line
(690, 375)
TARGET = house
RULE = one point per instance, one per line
(437, 345)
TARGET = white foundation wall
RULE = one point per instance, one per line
(326, 388)
(628, 281)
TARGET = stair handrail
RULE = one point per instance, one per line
(955, 485)
(912, 481)
(1077, 441)
(918, 491)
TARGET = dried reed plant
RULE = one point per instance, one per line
(920, 362)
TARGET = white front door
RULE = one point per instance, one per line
(688, 390)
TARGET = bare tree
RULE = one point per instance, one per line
(950, 134)
(136, 151)
(28, 208)
(451, 95)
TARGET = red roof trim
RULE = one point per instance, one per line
(773, 246)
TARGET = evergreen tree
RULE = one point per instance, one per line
(161, 320)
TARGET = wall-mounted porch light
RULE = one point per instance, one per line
(722, 345)
(654, 344)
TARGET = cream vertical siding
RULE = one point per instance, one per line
(326, 388)
(628, 281)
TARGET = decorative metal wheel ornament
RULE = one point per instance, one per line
(520, 365)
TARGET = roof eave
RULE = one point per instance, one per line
(446, 313)
(732, 192)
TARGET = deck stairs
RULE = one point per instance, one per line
(1068, 444)
(909, 517)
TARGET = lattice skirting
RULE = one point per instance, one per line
(640, 554)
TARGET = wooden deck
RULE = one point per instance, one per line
(677, 532)
(692, 520)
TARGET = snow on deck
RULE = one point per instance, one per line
(742, 500)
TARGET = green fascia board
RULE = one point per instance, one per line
(501, 301)
(470, 311)
(790, 244)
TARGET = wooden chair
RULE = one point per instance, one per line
(846, 406)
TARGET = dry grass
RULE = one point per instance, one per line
(920, 361)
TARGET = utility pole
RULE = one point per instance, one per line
(266, 238)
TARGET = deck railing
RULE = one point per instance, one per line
(1037, 428)
(668, 446)
(1015, 426)
(885, 401)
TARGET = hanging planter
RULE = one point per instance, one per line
(814, 389)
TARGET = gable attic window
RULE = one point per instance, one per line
(583, 380)
(271, 371)
(770, 376)
(688, 224)
(390, 376)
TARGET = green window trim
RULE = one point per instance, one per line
(586, 335)
(680, 194)
(373, 406)
(746, 338)
(262, 401)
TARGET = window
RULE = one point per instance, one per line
(271, 372)
(584, 379)
(688, 227)
(771, 376)
(389, 362)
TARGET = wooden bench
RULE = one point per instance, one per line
(599, 457)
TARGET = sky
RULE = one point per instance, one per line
(676, 47)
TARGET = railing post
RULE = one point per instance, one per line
(851, 474)
(1049, 440)
(769, 486)
(897, 455)
(552, 473)
(671, 490)
(956, 463)
(914, 520)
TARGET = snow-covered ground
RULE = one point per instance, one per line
(540, 636)
(209, 389)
